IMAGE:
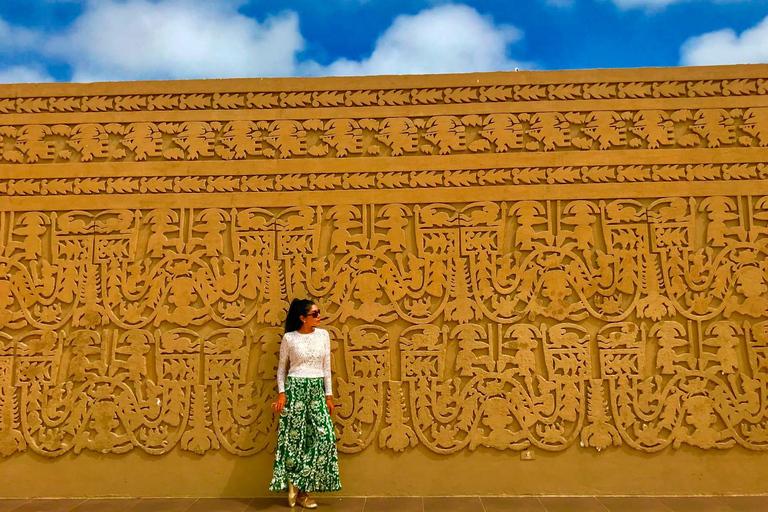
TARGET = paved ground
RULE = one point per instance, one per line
(645, 504)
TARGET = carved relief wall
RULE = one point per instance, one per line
(557, 261)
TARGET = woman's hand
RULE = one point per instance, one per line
(329, 403)
(280, 404)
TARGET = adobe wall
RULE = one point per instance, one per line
(568, 266)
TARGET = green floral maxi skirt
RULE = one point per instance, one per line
(306, 444)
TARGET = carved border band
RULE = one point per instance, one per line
(500, 133)
(296, 182)
(385, 97)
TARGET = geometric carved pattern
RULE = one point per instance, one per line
(551, 270)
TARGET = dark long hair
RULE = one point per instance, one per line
(298, 308)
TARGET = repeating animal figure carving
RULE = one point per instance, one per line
(30, 140)
(287, 137)
(400, 134)
(446, 133)
(196, 138)
(600, 130)
(504, 130)
(653, 126)
(550, 130)
(144, 139)
(716, 126)
(239, 139)
(608, 129)
(345, 135)
(90, 140)
(756, 124)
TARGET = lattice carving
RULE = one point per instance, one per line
(156, 328)
(504, 264)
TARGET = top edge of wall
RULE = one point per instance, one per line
(522, 77)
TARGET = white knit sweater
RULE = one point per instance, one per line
(305, 355)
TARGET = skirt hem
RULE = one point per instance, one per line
(316, 489)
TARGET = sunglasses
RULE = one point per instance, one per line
(315, 313)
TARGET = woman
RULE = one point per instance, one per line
(306, 459)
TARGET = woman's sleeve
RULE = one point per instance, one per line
(282, 366)
(327, 368)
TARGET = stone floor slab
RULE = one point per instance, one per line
(46, 505)
(323, 503)
(453, 505)
(695, 504)
(518, 504)
(110, 504)
(9, 504)
(163, 505)
(572, 504)
(745, 503)
(220, 505)
(268, 505)
(340, 504)
(633, 504)
(394, 504)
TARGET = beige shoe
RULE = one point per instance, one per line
(293, 492)
(306, 502)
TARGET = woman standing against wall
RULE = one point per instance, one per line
(306, 459)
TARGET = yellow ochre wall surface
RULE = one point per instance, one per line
(564, 265)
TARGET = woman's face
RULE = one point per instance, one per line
(313, 317)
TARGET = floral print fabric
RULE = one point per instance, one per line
(306, 444)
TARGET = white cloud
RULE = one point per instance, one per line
(727, 47)
(657, 5)
(17, 41)
(14, 38)
(174, 39)
(23, 75)
(644, 4)
(448, 38)
(169, 39)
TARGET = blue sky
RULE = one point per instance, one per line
(82, 41)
